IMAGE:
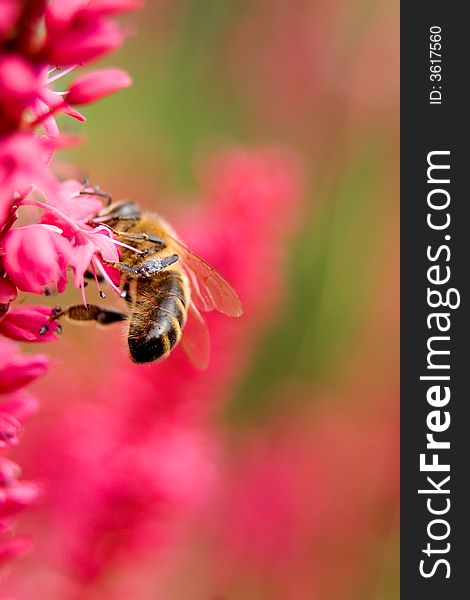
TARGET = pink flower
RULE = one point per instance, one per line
(50, 103)
(8, 293)
(93, 246)
(76, 32)
(23, 164)
(96, 85)
(30, 324)
(10, 429)
(9, 471)
(36, 258)
(19, 82)
(80, 40)
(103, 514)
(9, 11)
(102, 8)
(69, 242)
(15, 496)
(20, 404)
(12, 547)
(293, 499)
(80, 208)
(89, 246)
(16, 406)
(79, 30)
(15, 409)
(61, 12)
(18, 370)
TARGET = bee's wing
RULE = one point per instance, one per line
(195, 341)
(209, 289)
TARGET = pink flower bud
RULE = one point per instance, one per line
(96, 85)
(60, 13)
(30, 324)
(22, 405)
(17, 370)
(19, 83)
(36, 257)
(17, 496)
(9, 471)
(8, 293)
(83, 42)
(9, 11)
(13, 547)
(10, 428)
(100, 8)
(18, 172)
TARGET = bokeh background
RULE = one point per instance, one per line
(267, 131)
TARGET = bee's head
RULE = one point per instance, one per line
(125, 209)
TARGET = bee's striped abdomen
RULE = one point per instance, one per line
(155, 327)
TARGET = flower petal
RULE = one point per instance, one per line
(36, 256)
(30, 324)
(18, 370)
(96, 85)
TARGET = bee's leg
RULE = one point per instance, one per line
(95, 191)
(144, 237)
(80, 312)
(147, 268)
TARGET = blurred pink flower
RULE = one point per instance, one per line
(21, 404)
(118, 497)
(330, 80)
(19, 83)
(8, 293)
(86, 41)
(9, 11)
(15, 495)
(10, 429)
(79, 30)
(75, 33)
(96, 85)
(16, 406)
(12, 547)
(18, 370)
(295, 495)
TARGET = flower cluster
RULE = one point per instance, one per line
(40, 42)
(153, 428)
(17, 405)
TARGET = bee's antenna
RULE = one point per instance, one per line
(95, 191)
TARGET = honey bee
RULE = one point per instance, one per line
(166, 286)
